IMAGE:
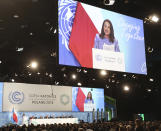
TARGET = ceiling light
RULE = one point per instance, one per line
(154, 18)
(19, 49)
(12, 80)
(34, 64)
(55, 31)
(31, 34)
(126, 88)
(79, 84)
(78, 70)
(124, 75)
(107, 86)
(150, 49)
(74, 76)
(65, 75)
(151, 79)
(85, 71)
(103, 72)
(108, 2)
(50, 75)
(15, 16)
(53, 54)
(56, 83)
(133, 76)
(149, 90)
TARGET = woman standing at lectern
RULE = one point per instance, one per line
(106, 40)
(89, 99)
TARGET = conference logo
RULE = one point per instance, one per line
(64, 99)
(16, 97)
(67, 10)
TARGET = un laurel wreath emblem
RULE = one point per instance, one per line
(16, 97)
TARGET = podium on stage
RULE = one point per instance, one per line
(109, 60)
(89, 106)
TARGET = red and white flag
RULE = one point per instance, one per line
(82, 37)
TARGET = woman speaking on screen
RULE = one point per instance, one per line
(106, 40)
(89, 99)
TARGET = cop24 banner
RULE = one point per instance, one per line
(33, 97)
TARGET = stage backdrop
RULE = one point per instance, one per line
(33, 97)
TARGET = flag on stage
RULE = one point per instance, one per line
(14, 116)
(80, 99)
(82, 37)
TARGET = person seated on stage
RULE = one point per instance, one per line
(46, 117)
(89, 99)
(53, 116)
(41, 117)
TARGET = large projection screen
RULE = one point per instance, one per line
(84, 41)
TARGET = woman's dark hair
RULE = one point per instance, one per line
(90, 95)
(111, 36)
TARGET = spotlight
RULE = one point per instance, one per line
(85, 71)
(19, 49)
(150, 49)
(151, 79)
(50, 75)
(149, 90)
(154, 18)
(55, 31)
(103, 72)
(126, 88)
(107, 86)
(79, 84)
(31, 34)
(15, 16)
(12, 80)
(108, 2)
(124, 75)
(74, 76)
(34, 64)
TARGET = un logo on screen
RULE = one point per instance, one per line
(16, 97)
(66, 16)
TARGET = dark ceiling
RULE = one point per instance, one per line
(33, 26)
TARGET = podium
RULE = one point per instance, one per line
(89, 107)
(108, 60)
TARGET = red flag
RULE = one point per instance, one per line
(82, 37)
(80, 99)
(15, 118)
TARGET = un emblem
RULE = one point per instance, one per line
(67, 10)
(64, 99)
(16, 97)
